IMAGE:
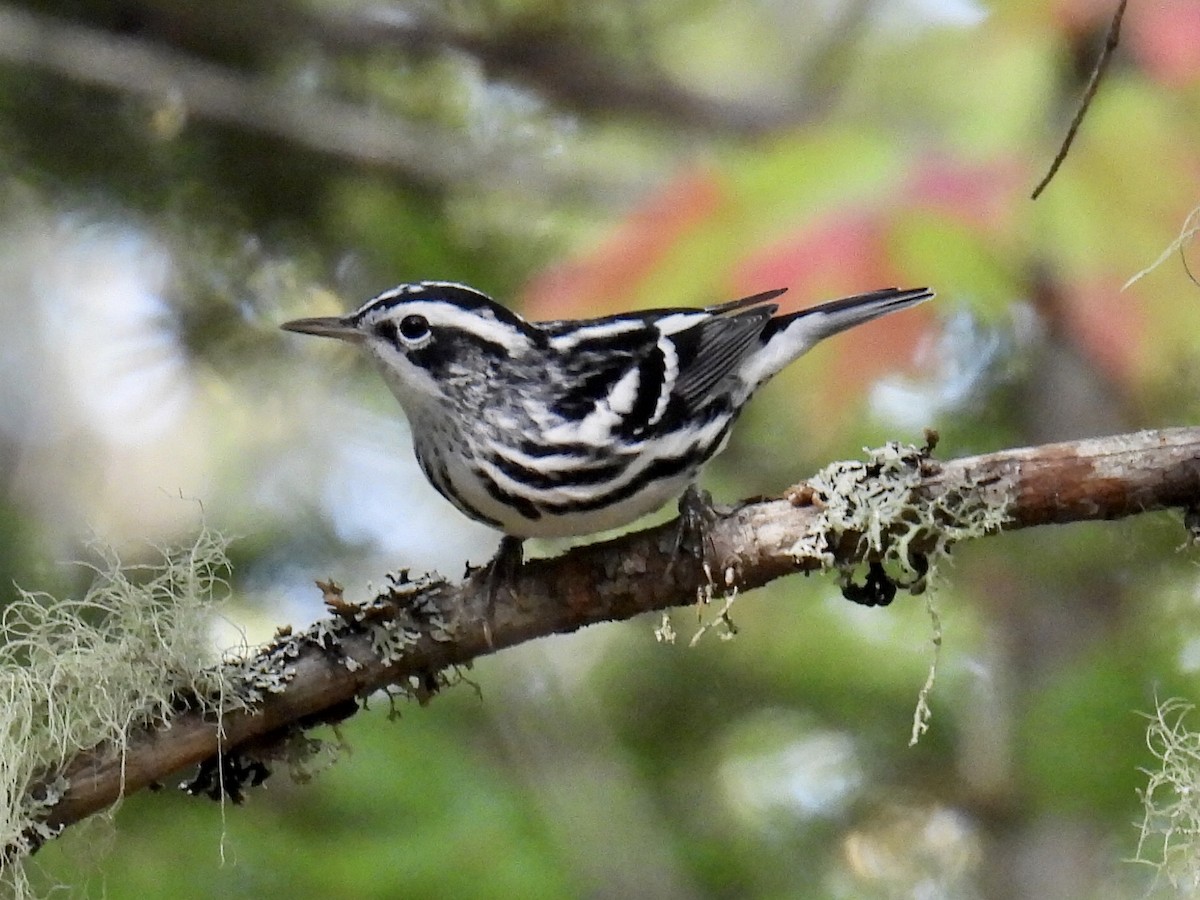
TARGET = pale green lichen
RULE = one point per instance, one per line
(77, 675)
(664, 632)
(902, 528)
(923, 713)
(1169, 835)
(80, 673)
(882, 500)
(402, 614)
(722, 622)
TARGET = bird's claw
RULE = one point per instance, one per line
(501, 574)
(696, 518)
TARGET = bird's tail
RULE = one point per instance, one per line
(786, 337)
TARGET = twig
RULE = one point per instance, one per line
(1191, 227)
(1110, 45)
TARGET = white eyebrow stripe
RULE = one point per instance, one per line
(480, 322)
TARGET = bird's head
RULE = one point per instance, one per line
(428, 335)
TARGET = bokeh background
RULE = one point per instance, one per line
(178, 179)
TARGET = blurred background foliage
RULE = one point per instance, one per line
(180, 178)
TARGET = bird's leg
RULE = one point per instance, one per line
(696, 517)
(502, 572)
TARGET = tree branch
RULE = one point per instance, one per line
(413, 634)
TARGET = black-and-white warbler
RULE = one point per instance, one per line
(554, 429)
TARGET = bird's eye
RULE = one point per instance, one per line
(413, 328)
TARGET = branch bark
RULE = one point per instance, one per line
(414, 633)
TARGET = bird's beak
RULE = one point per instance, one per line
(325, 326)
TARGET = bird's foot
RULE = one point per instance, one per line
(501, 574)
(696, 518)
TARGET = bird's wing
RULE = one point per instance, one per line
(713, 349)
(632, 370)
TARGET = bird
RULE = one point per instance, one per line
(572, 427)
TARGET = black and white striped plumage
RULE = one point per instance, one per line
(552, 429)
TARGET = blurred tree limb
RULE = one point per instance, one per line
(358, 133)
(413, 635)
(558, 65)
(161, 65)
(547, 53)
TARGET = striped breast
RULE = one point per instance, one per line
(584, 468)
